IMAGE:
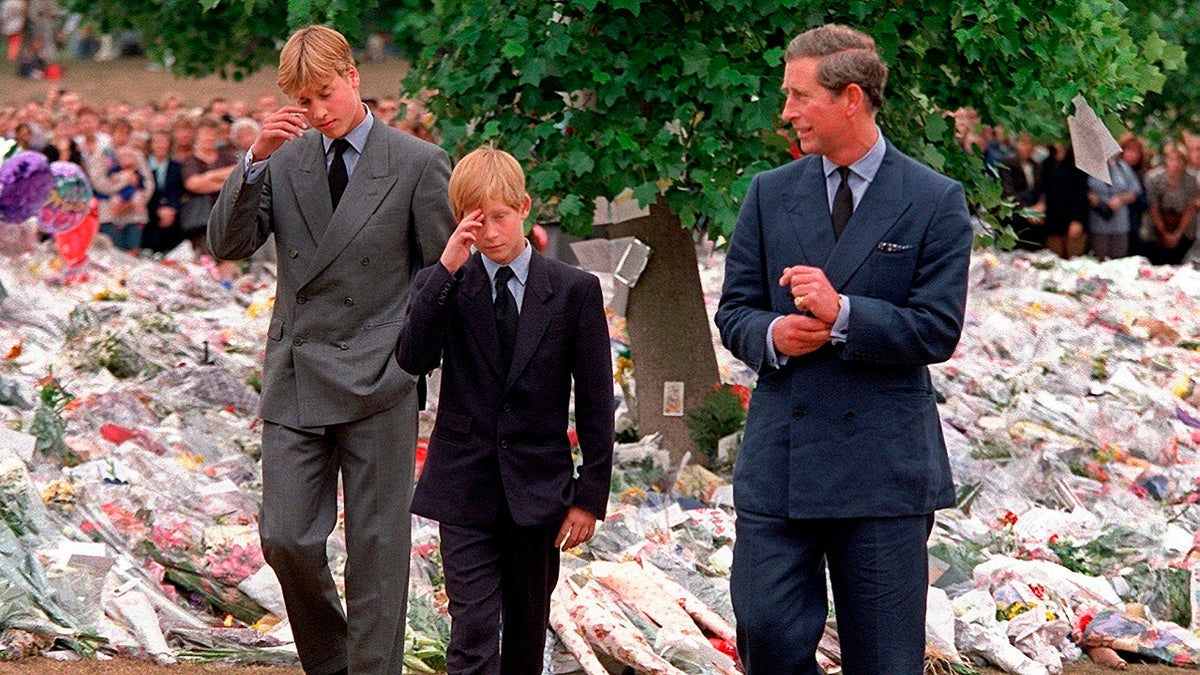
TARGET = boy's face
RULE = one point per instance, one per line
(502, 236)
(335, 108)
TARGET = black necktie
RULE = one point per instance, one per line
(337, 172)
(843, 203)
(506, 315)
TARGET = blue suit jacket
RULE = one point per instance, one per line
(850, 430)
(504, 436)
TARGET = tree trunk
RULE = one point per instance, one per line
(669, 336)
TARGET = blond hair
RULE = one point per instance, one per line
(312, 57)
(486, 174)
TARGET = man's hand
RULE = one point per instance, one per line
(283, 124)
(812, 292)
(577, 527)
(796, 334)
(166, 216)
(1075, 229)
(458, 248)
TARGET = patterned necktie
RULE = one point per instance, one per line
(843, 203)
(337, 172)
(505, 306)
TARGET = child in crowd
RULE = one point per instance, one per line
(512, 331)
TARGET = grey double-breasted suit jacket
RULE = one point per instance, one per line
(342, 277)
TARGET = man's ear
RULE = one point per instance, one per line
(526, 206)
(855, 98)
(352, 77)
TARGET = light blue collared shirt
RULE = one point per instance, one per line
(520, 268)
(357, 138)
(862, 173)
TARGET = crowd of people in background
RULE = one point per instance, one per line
(156, 167)
(1150, 209)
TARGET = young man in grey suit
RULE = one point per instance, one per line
(356, 209)
(846, 277)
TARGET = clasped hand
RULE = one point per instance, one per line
(799, 334)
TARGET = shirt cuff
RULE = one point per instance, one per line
(837, 333)
(252, 171)
(774, 359)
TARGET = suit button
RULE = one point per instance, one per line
(797, 414)
(365, 261)
(849, 416)
(301, 299)
(503, 445)
(506, 407)
(298, 341)
(349, 302)
(343, 346)
(293, 253)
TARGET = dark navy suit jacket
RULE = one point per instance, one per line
(850, 430)
(505, 437)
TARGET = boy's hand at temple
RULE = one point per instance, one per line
(577, 527)
(458, 248)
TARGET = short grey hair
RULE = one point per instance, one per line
(846, 56)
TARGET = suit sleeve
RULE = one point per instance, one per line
(431, 216)
(927, 327)
(240, 221)
(744, 313)
(591, 369)
(419, 349)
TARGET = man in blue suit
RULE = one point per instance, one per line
(846, 277)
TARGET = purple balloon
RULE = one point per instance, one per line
(68, 201)
(25, 182)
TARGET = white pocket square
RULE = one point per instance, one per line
(892, 247)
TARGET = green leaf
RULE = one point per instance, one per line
(646, 193)
(513, 49)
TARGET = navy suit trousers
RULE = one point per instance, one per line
(878, 569)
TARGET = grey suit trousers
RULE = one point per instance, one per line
(374, 456)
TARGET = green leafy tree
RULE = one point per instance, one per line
(679, 101)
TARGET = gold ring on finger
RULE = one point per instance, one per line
(800, 303)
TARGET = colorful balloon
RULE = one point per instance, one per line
(25, 182)
(68, 201)
(73, 243)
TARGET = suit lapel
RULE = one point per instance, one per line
(808, 203)
(535, 316)
(369, 184)
(881, 207)
(311, 187)
(480, 317)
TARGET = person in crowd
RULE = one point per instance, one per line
(183, 136)
(12, 17)
(162, 231)
(127, 211)
(499, 477)
(1174, 197)
(242, 133)
(1065, 194)
(356, 209)
(1021, 181)
(1109, 220)
(203, 175)
(62, 143)
(1134, 152)
(846, 276)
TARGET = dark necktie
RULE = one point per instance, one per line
(506, 315)
(843, 203)
(337, 172)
